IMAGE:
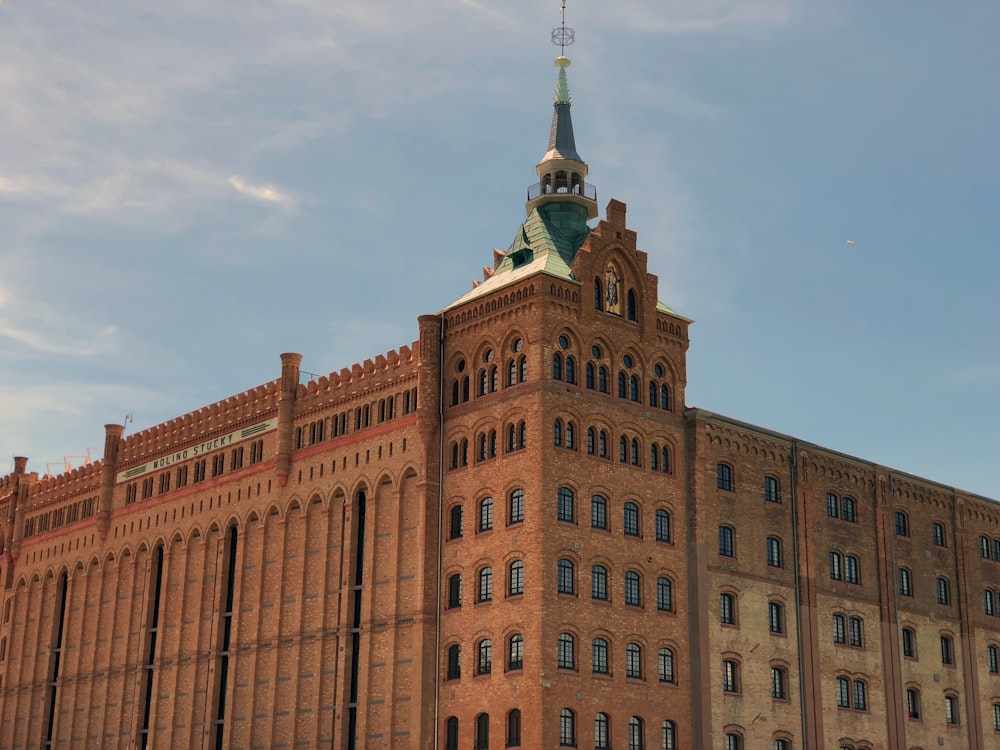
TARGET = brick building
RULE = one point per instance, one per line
(509, 534)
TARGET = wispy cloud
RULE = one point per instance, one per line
(263, 193)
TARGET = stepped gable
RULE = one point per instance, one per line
(246, 407)
(386, 371)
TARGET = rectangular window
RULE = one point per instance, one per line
(565, 506)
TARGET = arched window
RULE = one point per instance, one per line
(631, 519)
(633, 388)
(511, 439)
(664, 595)
(836, 567)
(589, 376)
(515, 652)
(633, 596)
(724, 477)
(622, 385)
(602, 379)
(993, 659)
(984, 547)
(665, 665)
(909, 643)
(557, 433)
(486, 514)
(494, 379)
(839, 629)
(852, 570)
(455, 590)
(943, 591)
(631, 306)
(591, 441)
(771, 494)
(727, 541)
(727, 609)
(730, 676)
(598, 295)
(665, 460)
(654, 457)
(633, 661)
(669, 736)
(482, 380)
(602, 444)
(902, 525)
(465, 452)
(516, 511)
(843, 692)
(905, 585)
(951, 710)
(634, 455)
(492, 445)
(734, 741)
(566, 653)
(662, 526)
(913, 703)
(599, 582)
(855, 632)
(598, 512)
(860, 695)
(779, 683)
(566, 510)
(515, 578)
(484, 664)
(451, 733)
(665, 397)
(937, 534)
(653, 394)
(566, 577)
(847, 510)
(623, 449)
(465, 389)
(570, 436)
(511, 372)
(455, 527)
(454, 662)
(522, 435)
(947, 650)
(514, 728)
(523, 369)
(636, 730)
(483, 732)
(571, 369)
(599, 656)
(602, 732)
(557, 366)
(484, 592)
(773, 552)
(567, 728)
(775, 617)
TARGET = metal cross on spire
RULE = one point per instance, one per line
(563, 36)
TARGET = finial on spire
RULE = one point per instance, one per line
(563, 35)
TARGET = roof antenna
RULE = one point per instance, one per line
(563, 36)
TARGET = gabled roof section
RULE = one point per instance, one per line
(546, 242)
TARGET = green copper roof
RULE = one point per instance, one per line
(562, 88)
(547, 242)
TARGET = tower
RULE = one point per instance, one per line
(563, 558)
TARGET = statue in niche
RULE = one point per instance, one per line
(612, 279)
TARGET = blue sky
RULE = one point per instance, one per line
(188, 189)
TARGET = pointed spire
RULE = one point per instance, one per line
(562, 144)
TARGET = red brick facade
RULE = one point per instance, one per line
(511, 533)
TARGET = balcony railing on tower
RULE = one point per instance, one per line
(584, 190)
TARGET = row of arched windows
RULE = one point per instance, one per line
(632, 525)
(597, 376)
(566, 583)
(485, 514)
(515, 439)
(568, 732)
(489, 375)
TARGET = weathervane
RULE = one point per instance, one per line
(563, 36)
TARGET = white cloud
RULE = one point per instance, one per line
(264, 193)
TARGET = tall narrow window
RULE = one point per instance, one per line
(632, 589)
(566, 511)
(514, 728)
(451, 733)
(566, 652)
(565, 577)
(727, 541)
(55, 657)
(855, 632)
(485, 589)
(599, 656)
(557, 366)
(602, 732)
(771, 494)
(937, 534)
(664, 595)
(484, 663)
(669, 736)
(943, 591)
(515, 578)
(662, 526)
(773, 552)
(156, 578)
(839, 629)
(775, 617)
(724, 476)
(951, 710)
(455, 591)
(947, 650)
(913, 703)
(779, 683)
(727, 609)
(598, 512)
(730, 676)
(599, 582)
(631, 519)
(455, 526)
(225, 638)
(909, 643)
(567, 728)
(516, 510)
(454, 662)
(902, 524)
(636, 732)
(993, 659)
(633, 661)
(665, 665)
(486, 514)
(482, 732)
(515, 652)
(905, 586)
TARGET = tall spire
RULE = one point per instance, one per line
(562, 171)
